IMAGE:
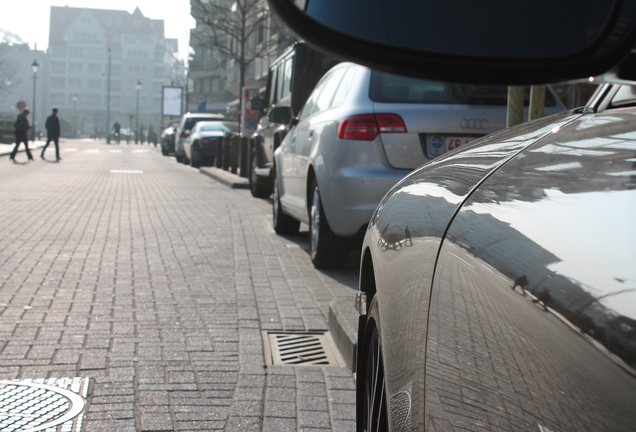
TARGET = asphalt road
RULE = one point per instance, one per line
(155, 283)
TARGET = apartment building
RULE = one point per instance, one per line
(98, 56)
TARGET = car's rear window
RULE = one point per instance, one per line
(191, 121)
(389, 88)
(219, 126)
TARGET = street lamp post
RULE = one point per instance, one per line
(74, 116)
(34, 66)
(138, 87)
(108, 102)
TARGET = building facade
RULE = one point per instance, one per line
(99, 58)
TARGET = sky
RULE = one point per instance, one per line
(30, 18)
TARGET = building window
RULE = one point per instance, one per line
(58, 82)
(94, 83)
(94, 100)
(57, 98)
(75, 67)
(76, 52)
(58, 67)
(57, 51)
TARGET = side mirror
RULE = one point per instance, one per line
(281, 115)
(257, 104)
(294, 121)
(493, 42)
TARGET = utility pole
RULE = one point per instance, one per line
(108, 103)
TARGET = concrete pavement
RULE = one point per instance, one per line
(154, 284)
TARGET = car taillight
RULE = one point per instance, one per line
(367, 126)
(184, 134)
(390, 123)
(204, 141)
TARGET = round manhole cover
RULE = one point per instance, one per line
(29, 407)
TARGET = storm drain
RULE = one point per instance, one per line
(300, 349)
(51, 405)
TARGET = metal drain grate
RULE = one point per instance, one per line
(52, 404)
(300, 349)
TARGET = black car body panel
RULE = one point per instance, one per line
(507, 290)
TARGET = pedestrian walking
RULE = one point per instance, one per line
(117, 130)
(22, 127)
(52, 134)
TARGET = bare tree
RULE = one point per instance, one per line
(239, 30)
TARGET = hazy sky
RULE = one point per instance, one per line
(30, 18)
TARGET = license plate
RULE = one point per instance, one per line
(440, 144)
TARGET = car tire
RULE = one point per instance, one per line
(327, 250)
(195, 156)
(178, 156)
(164, 151)
(257, 189)
(283, 224)
(371, 398)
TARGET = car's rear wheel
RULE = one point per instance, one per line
(327, 249)
(178, 156)
(257, 189)
(283, 224)
(164, 151)
(195, 156)
(372, 413)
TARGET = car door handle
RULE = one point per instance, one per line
(311, 134)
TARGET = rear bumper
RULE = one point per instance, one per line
(351, 195)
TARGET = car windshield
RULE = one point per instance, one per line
(390, 88)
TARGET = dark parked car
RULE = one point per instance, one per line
(167, 139)
(497, 282)
(200, 147)
(186, 124)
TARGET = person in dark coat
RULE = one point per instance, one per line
(22, 127)
(52, 134)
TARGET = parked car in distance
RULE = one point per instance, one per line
(359, 133)
(167, 138)
(186, 124)
(290, 80)
(200, 147)
(502, 276)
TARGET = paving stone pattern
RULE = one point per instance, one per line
(156, 286)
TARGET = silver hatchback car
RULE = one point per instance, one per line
(359, 133)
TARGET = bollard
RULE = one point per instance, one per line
(218, 158)
(235, 149)
(244, 157)
(227, 156)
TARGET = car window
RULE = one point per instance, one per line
(214, 127)
(625, 96)
(331, 85)
(311, 102)
(287, 77)
(343, 88)
(390, 88)
(191, 121)
(279, 81)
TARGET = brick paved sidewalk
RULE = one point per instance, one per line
(155, 282)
